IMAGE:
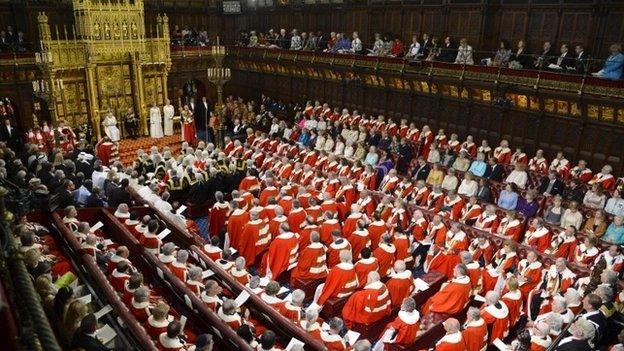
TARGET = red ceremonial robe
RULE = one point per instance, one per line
(475, 335)
(341, 282)
(497, 318)
(365, 266)
(368, 305)
(237, 221)
(406, 326)
(385, 256)
(451, 342)
(282, 255)
(311, 264)
(452, 297)
(400, 285)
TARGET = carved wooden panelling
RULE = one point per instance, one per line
(575, 27)
(513, 26)
(465, 24)
(542, 27)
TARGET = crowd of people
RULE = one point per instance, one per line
(12, 41)
(566, 58)
(365, 205)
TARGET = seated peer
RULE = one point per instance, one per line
(368, 305)
(453, 296)
(508, 198)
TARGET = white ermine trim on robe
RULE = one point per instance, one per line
(454, 338)
(170, 343)
(498, 313)
(410, 318)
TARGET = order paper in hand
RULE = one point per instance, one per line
(500, 345)
(103, 311)
(106, 334)
(420, 284)
(242, 298)
(207, 274)
(181, 209)
(96, 226)
(164, 233)
(352, 337)
(294, 342)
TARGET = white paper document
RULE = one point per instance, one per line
(181, 209)
(182, 322)
(85, 299)
(242, 298)
(207, 274)
(352, 337)
(96, 226)
(501, 345)
(103, 311)
(106, 334)
(294, 342)
(420, 284)
(164, 233)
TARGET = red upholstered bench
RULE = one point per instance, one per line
(333, 307)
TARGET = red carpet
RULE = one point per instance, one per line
(129, 147)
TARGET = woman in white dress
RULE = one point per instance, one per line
(168, 113)
(156, 129)
(110, 127)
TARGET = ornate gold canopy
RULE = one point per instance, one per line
(107, 63)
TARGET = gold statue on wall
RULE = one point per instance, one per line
(96, 31)
(107, 31)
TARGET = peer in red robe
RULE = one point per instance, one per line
(452, 340)
(496, 316)
(475, 331)
(400, 284)
(406, 325)
(453, 296)
(218, 215)
(254, 239)
(385, 255)
(341, 281)
(366, 264)
(266, 193)
(512, 298)
(312, 262)
(235, 226)
(282, 255)
(368, 305)
(296, 217)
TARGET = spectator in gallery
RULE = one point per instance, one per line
(398, 48)
(547, 56)
(615, 231)
(595, 197)
(448, 51)
(356, 43)
(521, 58)
(614, 64)
(502, 56)
(508, 198)
(414, 49)
(295, 41)
(464, 53)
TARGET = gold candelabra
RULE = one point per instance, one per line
(46, 88)
(218, 76)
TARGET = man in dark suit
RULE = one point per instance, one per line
(8, 134)
(448, 51)
(582, 60)
(496, 171)
(321, 41)
(547, 57)
(581, 331)
(551, 185)
(425, 46)
(591, 305)
(421, 172)
(282, 40)
(120, 195)
(565, 60)
(201, 113)
(85, 337)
